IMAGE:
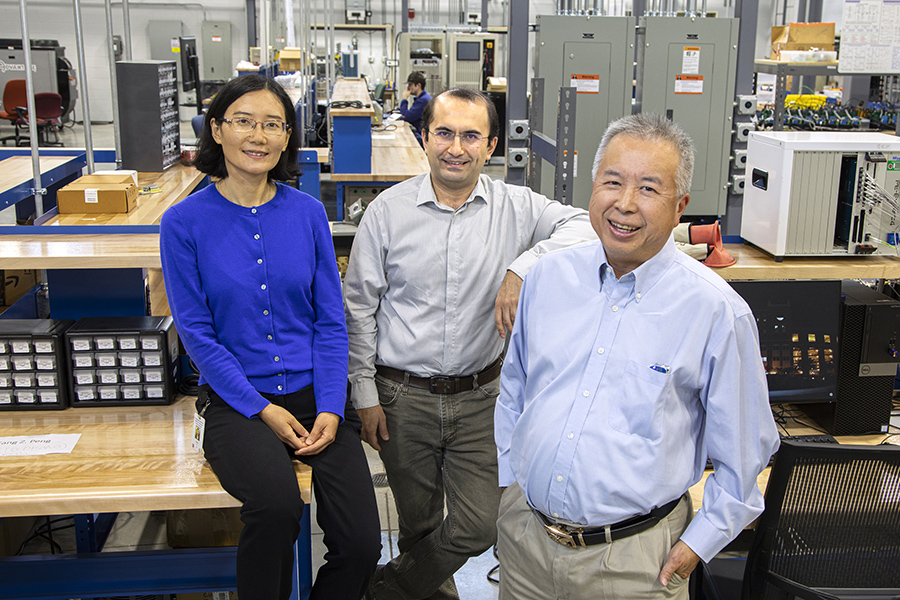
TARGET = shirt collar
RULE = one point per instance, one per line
(426, 193)
(646, 275)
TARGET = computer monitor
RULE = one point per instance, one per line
(470, 51)
(190, 63)
(799, 326)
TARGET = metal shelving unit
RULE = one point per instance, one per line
(782, 70)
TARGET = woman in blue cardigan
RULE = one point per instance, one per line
(252, 281)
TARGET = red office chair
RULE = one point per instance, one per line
(13, 97)
(48, 110)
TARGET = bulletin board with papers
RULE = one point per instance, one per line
(870, 37)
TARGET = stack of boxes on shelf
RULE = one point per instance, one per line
(97, 361)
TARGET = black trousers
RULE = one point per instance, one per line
(256, 467)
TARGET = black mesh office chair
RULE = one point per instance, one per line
(831, 528)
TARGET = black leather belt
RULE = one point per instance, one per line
(574, 537)
(443, 384)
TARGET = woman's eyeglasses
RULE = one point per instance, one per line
(245, 125)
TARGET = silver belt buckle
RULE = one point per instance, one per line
(563, 537)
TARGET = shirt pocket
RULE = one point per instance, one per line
(640, 406)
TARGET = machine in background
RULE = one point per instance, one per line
(822, 193)
(424, 52)
(448, 59)
(52, 70)
(471, 59)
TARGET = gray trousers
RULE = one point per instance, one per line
(441, 453)
(534, 567)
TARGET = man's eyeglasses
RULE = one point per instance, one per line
(445, 138)
(245, 125)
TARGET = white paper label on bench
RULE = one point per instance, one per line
(90, 196)
(32, 445)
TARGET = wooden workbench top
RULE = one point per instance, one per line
(79, 251)
(17, 170)
(135, 458)
(90, 251)
(753, 263)
(175, 183)
(348, 89)
(396, 156)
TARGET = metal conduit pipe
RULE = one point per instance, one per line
(82, 83)
(38, 190)
(126, 14)
(113, 82)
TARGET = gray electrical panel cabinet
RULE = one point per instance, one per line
(215, 50)
(596, 56)
(688, 75)
(164, 41)
(277, 26)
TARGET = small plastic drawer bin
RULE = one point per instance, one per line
(109, 357)
(34, 371)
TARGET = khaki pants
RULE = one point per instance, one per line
(532, 566)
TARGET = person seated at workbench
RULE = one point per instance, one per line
(412, 113)
(253, 285)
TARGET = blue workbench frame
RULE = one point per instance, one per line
(352, 144)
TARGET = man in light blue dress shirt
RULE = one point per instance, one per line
(628, 364)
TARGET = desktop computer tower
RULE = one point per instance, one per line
(867, 364)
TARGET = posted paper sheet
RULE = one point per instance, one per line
(36, 445)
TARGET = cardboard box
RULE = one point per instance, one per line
(203, 528)
(108, 177)
(119, 173)
(290, 59)
(209, 596)
(96, 197)
(496, 84)
(802, 36)
(16, 283)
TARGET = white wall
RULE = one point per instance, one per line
(54, 19)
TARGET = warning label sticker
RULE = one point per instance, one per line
(689, 84)
(585, 84)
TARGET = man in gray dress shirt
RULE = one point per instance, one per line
(430, 293)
